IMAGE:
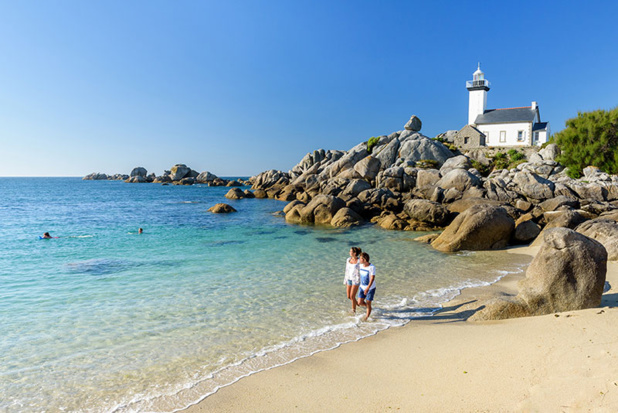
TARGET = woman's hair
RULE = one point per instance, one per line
(356, 251)
(365, 256)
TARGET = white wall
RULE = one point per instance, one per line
(492, 133)
(477, 103)
(543, 136)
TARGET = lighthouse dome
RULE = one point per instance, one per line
(478, 75)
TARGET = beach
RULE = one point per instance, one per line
(565, 362)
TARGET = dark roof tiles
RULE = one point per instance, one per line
(526, 114)
(539, 126)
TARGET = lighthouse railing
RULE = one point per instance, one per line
(477, 83)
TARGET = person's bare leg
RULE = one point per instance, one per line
(348, 290)
(368, 310)
(353, 297)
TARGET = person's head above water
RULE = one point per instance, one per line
(46, 235)
(139, 231)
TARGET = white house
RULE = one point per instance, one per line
(503, 127)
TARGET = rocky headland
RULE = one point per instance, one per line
(479, 198)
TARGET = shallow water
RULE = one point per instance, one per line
(104, 319)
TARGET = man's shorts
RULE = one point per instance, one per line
(369, 296)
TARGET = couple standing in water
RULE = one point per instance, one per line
(360, 276)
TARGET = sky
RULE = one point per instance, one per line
(239, 87)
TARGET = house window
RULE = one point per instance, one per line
(486, 137)
(520, 135)
(536, 137)
(502, 136)
(466, 140)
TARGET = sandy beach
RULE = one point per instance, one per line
(565, 362)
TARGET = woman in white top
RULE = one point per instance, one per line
(352, 276)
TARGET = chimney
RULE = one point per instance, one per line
(534, 105)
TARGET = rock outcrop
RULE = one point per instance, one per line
(235, 193)
(603, 231)
(346, 217)
(567, 273)
(221, 209)
(414, 124)
(480, 227)
(139, 171)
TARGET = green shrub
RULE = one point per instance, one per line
(373, 141)
(573, 173)
(483, 169)
(589, 139)
(451, 147)
(500, 161)
(499, 156)
(517, 156)
(512, 152)
(427, 164)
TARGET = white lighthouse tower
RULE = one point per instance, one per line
(478, 88)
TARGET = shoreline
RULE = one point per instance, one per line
(444, 360)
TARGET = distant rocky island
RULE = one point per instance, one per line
(179, 174)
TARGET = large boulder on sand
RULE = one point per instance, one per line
(480, 227)
(567, 273)
(604, 231)
(221, 209)
(426, 211)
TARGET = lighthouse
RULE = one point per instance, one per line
(478, 88)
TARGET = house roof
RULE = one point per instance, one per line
(475, 130)
(539, 126)
(525, 114)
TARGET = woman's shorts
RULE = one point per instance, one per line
(350, 282)
(369, 296)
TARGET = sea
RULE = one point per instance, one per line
(103, 319)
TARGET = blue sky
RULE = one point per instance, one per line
(239, 87)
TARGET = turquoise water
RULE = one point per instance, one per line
(104, 319)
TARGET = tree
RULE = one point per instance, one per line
(590, 139)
